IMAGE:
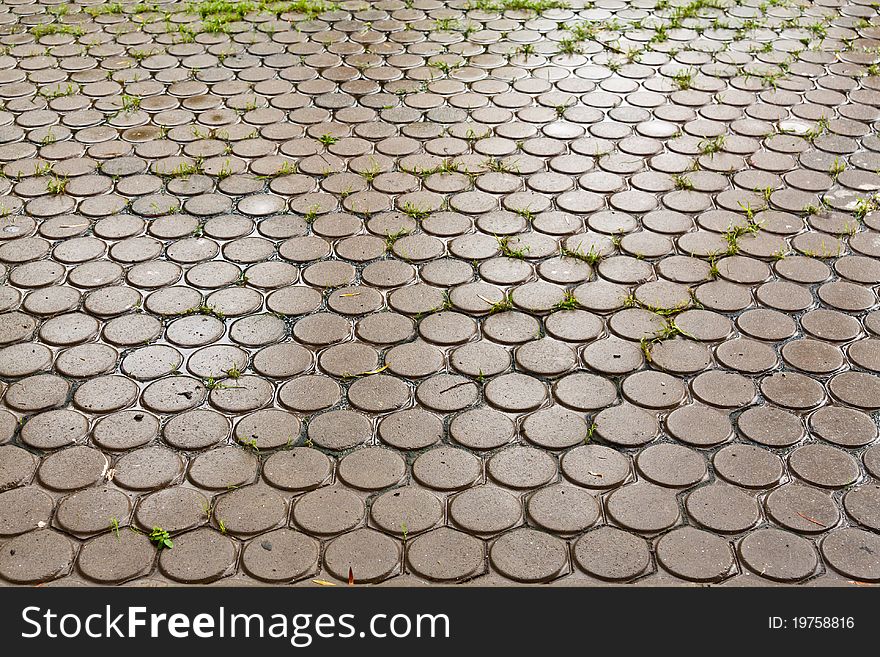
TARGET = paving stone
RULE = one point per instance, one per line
(220, 468)
(853, 552)
(372, 468)
(90, 511)
(671, 465)
(485, 510)
(328, 511)
(250, 510)
(823, 465)
(527, 555)
(73, 468)
(749, 466)
(457, 278)
(522, 467)
(643, 507)
(778, 555)
(695, 554)
(282, 555)
(410, 429)
(406, 511)
(801, 508)
(562, 509)
(612, 554)
(196, 429)
(446, 555)
(37, 556)
(365, 553)
(17, 467)
(339, 430)
(722, 508)
(24, 509)
(199, 556)
(482, 428)
(861, 505)
(174, 509)
(116, 557)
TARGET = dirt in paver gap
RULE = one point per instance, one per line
(471, 291)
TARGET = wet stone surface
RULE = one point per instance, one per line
(451, 291)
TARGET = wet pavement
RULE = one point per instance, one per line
(444, 292)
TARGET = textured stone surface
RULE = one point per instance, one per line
(439, 289)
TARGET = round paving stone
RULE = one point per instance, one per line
(200, 556)
(482, 428)
(843, 426)
(554, 428)
(365, 553)
(406, 511)
(17, 467)
(802, 509)
(643, 507)
(447, 392)
(626, 425)
(857, 389)
(54, 429)
(73, 468)
(328, 511)
(150, 468)
(722, 508)
(653, 390)
(771, 426)
(485, 510)
(300, 468)
(527, 555)
(562, 509)
(695, 555)
(90, 511)
(410, 429)
(585, 392)
(372, 468)
(117, 557)
(37, 393)
(853, 552)
(749, 466)
(174, 509)
(446, 555)
(779, 555)
(250, 510)
(268, 429)
(596, 466)
(824, 466)
(446, 468)
(309, 393)
(522, 467)
(38, 556)
(699, 426)
(282, 555)
(792, 390)
(24, 509)
(862, 505)
(339, 430)
(612, 554)
(670, 465)
(196, 429)
(220, 468)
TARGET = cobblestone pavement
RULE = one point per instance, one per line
(446, 292)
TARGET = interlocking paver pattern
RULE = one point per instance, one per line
(413, 291)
